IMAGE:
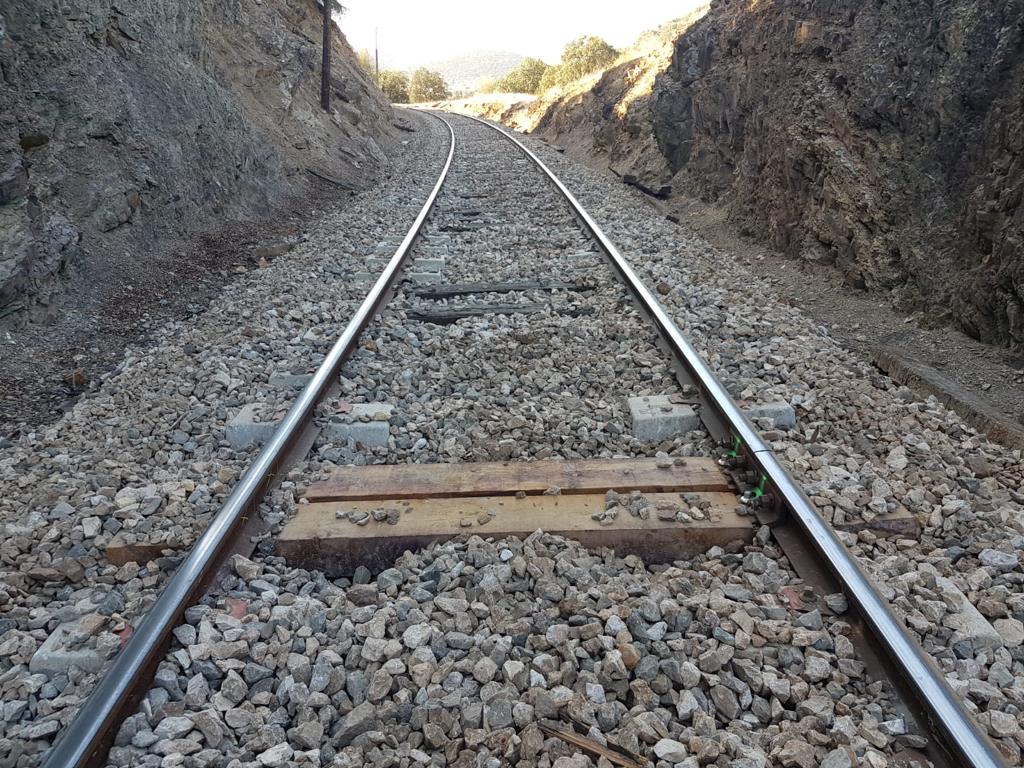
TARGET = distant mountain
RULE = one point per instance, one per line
(463, 72)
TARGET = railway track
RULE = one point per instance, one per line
(574, 297)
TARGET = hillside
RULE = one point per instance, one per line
(465, 71)
(197, 112)
(131, 136)
(832, 136)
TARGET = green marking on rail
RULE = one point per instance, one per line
(759, 488)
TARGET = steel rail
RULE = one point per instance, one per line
(86, 741)
(962, 737)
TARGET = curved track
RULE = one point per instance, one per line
(807, 539)
(93, 729)
(778, 496)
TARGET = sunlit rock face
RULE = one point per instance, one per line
(125, 125)
(833, 134)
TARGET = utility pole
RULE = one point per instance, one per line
(325, 68)
(376, 56)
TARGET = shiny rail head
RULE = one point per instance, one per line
(961, 735)
(86, 740)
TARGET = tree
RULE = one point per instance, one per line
(395, 86)
(583, 56)
(365, 59)
(525, 78)
(552, 78)
(427, 86)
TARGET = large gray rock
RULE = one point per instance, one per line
(670, 750)
(360, 720)
(656, 418)
(56, 655)
(966, 621)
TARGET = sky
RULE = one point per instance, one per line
(415, 33)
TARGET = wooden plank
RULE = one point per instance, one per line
(315, 538)
(469, 226)
(435, 292)
(452, 314)
(896, 525)
(449, 315)
(662, 192)
(499, 478)
(614, 754)
(120, 552)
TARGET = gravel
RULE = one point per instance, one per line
(497, 386)
(145, 455)
(456, 654)
(461, 659)
(863, 446)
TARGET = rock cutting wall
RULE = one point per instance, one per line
(884, 138)
(125, 126)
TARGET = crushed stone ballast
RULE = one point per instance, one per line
(769, 490)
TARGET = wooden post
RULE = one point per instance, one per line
(325, 69)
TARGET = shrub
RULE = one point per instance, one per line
(584, 55)
(427, 86)
(525, 78)
(552, 78)
(395, 86)
(365, 59)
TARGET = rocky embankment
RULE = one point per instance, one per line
(460, 653)
(126, 126)
(832, 135)
(150, 153)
